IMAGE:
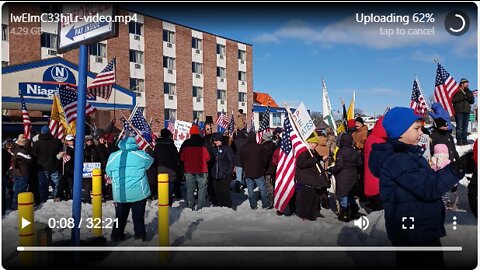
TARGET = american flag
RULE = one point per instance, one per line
(264, 124)
(103, 83)
(68, 98)
(27, 124)
(171, 125)
(142, 144)
(252, 123)
(66, 158)
(56, 129)
(141, 124)
(222, 121)
(445, 88)
(291, 147)
(231, 125)
(418, 102)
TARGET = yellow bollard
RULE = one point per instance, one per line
(163, 222)
(97, 201)
(25, 226)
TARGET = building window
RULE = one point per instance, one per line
(170, 114)
(135, 28)
(197, 67)
(242, 54)
(98, 49)
(136, 56)
(198, 115)
(4, 32)
(196, 43)
(277, 119)
(169, 62)
(221, 94)
(49, 40)
(242, 76)
(197, 92)
(137, 85)
(221, 72)
(169, 89)
(169, 36)
(242, 97)
(220, 49)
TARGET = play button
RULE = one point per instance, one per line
(25, 223)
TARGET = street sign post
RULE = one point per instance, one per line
(83, 24)
(87, 23)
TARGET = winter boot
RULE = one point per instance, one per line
(343, 216)
(237, 186)
(353, 211)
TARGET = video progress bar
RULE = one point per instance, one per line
(243, 248)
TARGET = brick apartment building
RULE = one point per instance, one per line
(171, 70)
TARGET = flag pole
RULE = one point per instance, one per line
(115, 84)
(311, 154)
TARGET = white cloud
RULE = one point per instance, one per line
(266, 38)
(348, 32)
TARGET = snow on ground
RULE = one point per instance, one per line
(218, 226)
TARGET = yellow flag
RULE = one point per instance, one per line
(57, 114)
(351, 108)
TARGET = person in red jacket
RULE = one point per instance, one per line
(195, 156)
(372, 186)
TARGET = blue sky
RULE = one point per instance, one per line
(295, 45)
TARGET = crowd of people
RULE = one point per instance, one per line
(385, 168)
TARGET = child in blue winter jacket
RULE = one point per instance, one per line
(411, 191)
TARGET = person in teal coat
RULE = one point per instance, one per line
(126, 167)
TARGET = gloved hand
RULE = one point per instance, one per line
(465, 164)
(60, 155)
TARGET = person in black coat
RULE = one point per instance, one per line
(208, 141)
(462, 101)
(166, 160)
(409, 187)
(21, 161)
(223, 163)
(7, 151)
(310, 179)
(473, 185)
(345, 171)
(45, 150)
(270, 169)
(239, 141)
(441, 135)
(254, 160)
(67, 161)
(102, 152)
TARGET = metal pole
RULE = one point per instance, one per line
(79, 140)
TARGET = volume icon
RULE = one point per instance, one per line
(362, 223)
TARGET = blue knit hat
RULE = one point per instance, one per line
(398, 120)
(45, 130)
